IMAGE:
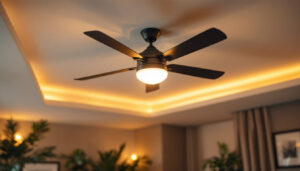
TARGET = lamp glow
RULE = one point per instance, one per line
(18, 138)
(134, 157)
(152, 75)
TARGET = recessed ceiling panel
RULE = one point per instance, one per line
(262, 48)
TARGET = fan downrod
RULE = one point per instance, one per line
(150, 35)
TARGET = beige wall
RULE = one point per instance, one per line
(174, 148)
(68, 137)
(285, 117)
(165, 145)
(149, 142)
(192, 158)
(210, 134)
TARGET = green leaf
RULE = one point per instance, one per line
(38, 129)
(77, 161)
(110, 161)
(227, 161)
(11, 129)
(14, 155)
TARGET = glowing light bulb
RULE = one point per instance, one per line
(133, 157)
(18, 138)
(152, 75)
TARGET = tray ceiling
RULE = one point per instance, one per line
(261, 52)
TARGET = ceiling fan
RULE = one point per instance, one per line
(152, 66)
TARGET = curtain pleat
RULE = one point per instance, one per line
(261, 137)
(244, 141)
(270, 151)
(254, 140)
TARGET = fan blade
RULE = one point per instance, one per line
(195, 43)
(104, 74)
(105, 39)
(150, 88)
(193, 71)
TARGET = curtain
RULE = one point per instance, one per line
(255, 139)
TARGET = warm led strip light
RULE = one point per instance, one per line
(94, 100)
(238, 86)
(151, 108)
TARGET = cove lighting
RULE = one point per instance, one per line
(152, 75)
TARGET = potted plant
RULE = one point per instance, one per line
(110, 161)
(227, 161)
(13, 153)
(77, 161)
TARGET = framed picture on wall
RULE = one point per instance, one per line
(43, 166)
(287, 149)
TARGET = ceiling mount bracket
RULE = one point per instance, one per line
(150, 34)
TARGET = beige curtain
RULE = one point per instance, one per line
(254, 139)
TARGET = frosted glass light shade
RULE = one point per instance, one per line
(152, 75)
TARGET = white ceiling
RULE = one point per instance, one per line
(262, 36)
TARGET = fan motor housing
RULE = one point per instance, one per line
(152, 58)
(151, 62)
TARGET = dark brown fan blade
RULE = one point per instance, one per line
(150, 88)
(104, 74)
(105, 39)
(195, 43)
(193, 71)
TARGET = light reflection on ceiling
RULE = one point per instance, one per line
(151, 108)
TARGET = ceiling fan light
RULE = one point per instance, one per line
(152, 75)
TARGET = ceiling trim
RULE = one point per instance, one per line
(284, 77)
(13, 33)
